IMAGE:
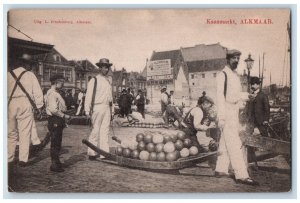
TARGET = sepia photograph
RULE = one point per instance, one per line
(149, 100)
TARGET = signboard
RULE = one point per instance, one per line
(160, 77)
(159, 67)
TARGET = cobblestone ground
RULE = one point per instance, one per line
(82, 175)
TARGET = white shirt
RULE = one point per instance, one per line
(103, 92)
(80, 95)
(30, 84)
(198, 116)
(234, 92)
(172, 100)
(55, 104)
(164, 98)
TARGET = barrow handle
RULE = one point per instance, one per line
(98, 150)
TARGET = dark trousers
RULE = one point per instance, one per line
(171, 111)
(124, 111)
(163, 107)
(141, 109)
(55, 127)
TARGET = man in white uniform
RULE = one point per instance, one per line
(100, 111)
(229, 96)
(20, 113)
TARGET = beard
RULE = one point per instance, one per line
(234, 66)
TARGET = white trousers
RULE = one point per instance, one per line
(20, 120)
(35, 140)
(230, 145)
(100, 130)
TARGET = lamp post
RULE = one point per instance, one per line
(249, 62)
(151, 80)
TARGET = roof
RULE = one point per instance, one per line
(206, 65)
(86, 65)
(203, 52)
(29, 47)
(173, 55)
(136, 76)
(49, 57)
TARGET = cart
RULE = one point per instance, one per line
(152, 165)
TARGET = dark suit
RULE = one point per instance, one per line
(260, 112)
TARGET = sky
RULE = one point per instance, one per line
(128, 37)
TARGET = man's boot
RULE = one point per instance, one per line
(56, 166)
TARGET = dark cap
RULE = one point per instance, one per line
(56, 77)
(104, 62)
(232, 52)
(254, 80)
(204, 98)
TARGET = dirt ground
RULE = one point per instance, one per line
(82, 175)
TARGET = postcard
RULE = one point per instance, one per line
(149, 100)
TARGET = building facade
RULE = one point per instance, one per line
(55, 63)
(160, 72)
(193, 71)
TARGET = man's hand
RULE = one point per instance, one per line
(265, 123)
(252, 96)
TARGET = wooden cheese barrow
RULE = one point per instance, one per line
(152, 165)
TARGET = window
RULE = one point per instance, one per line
(203, 75)
(60, 71)
(192, 76)
(215, 74)
(68, 74)
(57, 58)
(46, 73)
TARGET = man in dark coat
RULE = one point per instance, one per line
(124, 103)
(260, 107)
(140, 103)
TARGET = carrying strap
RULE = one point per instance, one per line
(94, 95)
(225, 84)
(15, 87)
(23, 89)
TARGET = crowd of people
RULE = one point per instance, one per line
(96, 103)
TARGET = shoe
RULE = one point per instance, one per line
(23, 164)
(226, 175)
(221, 174)
(92, 158)
(56, 168)
(247, 181)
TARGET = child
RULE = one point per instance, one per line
(55, 108)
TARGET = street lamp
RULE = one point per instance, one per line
(151, 80)
(249, 62)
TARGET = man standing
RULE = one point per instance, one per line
(164, 99)
(21, 102)
(260, 111)
(98, 102)
(229, 95)
(55, 108)
(172, 102)
(124, 104)
(140, 103)
(79, 102)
